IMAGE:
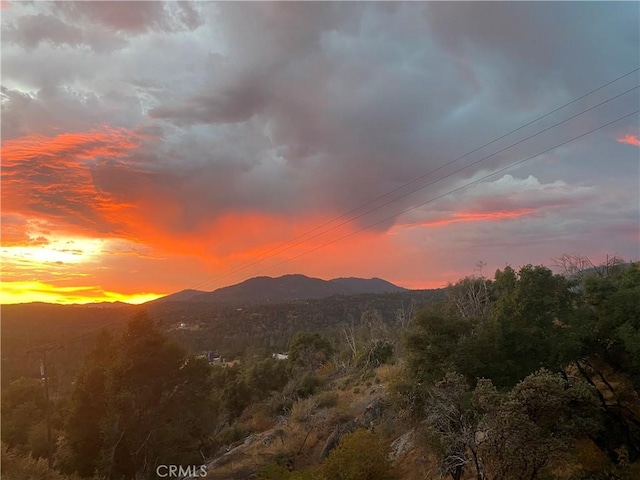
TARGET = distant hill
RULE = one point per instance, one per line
(285, 288)
(104, 305)
(369, 285)
(181, 296)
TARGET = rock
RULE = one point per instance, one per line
(334, 439)
(401, 445)
(372, 412)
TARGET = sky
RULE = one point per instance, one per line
(149, 147)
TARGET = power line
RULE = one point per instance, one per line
(273, 252)
(451, 191)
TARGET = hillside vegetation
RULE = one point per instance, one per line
(525, 375)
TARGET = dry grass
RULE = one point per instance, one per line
(303, 410)
(309, 424)
(388, 373)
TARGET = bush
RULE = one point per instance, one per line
(273, 471)
(327, 399)
(361, 455)
(279, 405)
(303, 410)
(307, 386)
(284, 458)
(17, 467)
(234, 433)
(381, 352)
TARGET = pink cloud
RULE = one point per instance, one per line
(629, 139)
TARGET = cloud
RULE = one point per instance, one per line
(133, 17)
(504, 199)
(629, 139)
(51, 177)
(16, 232)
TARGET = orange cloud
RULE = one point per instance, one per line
(51, 177)
(629, 139)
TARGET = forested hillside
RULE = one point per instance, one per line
(227, 329)
(524, 375)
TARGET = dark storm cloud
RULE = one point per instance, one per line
(359, 99)
(235, 103)
(539, 45)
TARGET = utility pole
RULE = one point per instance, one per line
(44, 375)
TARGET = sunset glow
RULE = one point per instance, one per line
(476, 217)
(24, 292)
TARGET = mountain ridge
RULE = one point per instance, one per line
(265, 289)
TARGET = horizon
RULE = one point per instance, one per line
(91, 302)
(149, 148)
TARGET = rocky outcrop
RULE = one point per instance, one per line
(334, 439)
(372, 413)
(401, 445)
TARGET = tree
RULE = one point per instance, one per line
(18, 467)
(608, 356)
(371, 343)
(433, 344)
(471, 297)
(537, 320)
(88, 410)
(22, 409)
(580, 266)
(451, 424)
(530, 317)
(139, 401)
(309, 351)
(534, 425)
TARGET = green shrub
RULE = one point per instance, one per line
(282, 407)
(361, 455)
(18, 467)
(307, 386)
(234, 433)
(273, 471)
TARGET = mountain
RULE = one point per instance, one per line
(104, 305)
(368, 285)
(182, 296)
(285, 288)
